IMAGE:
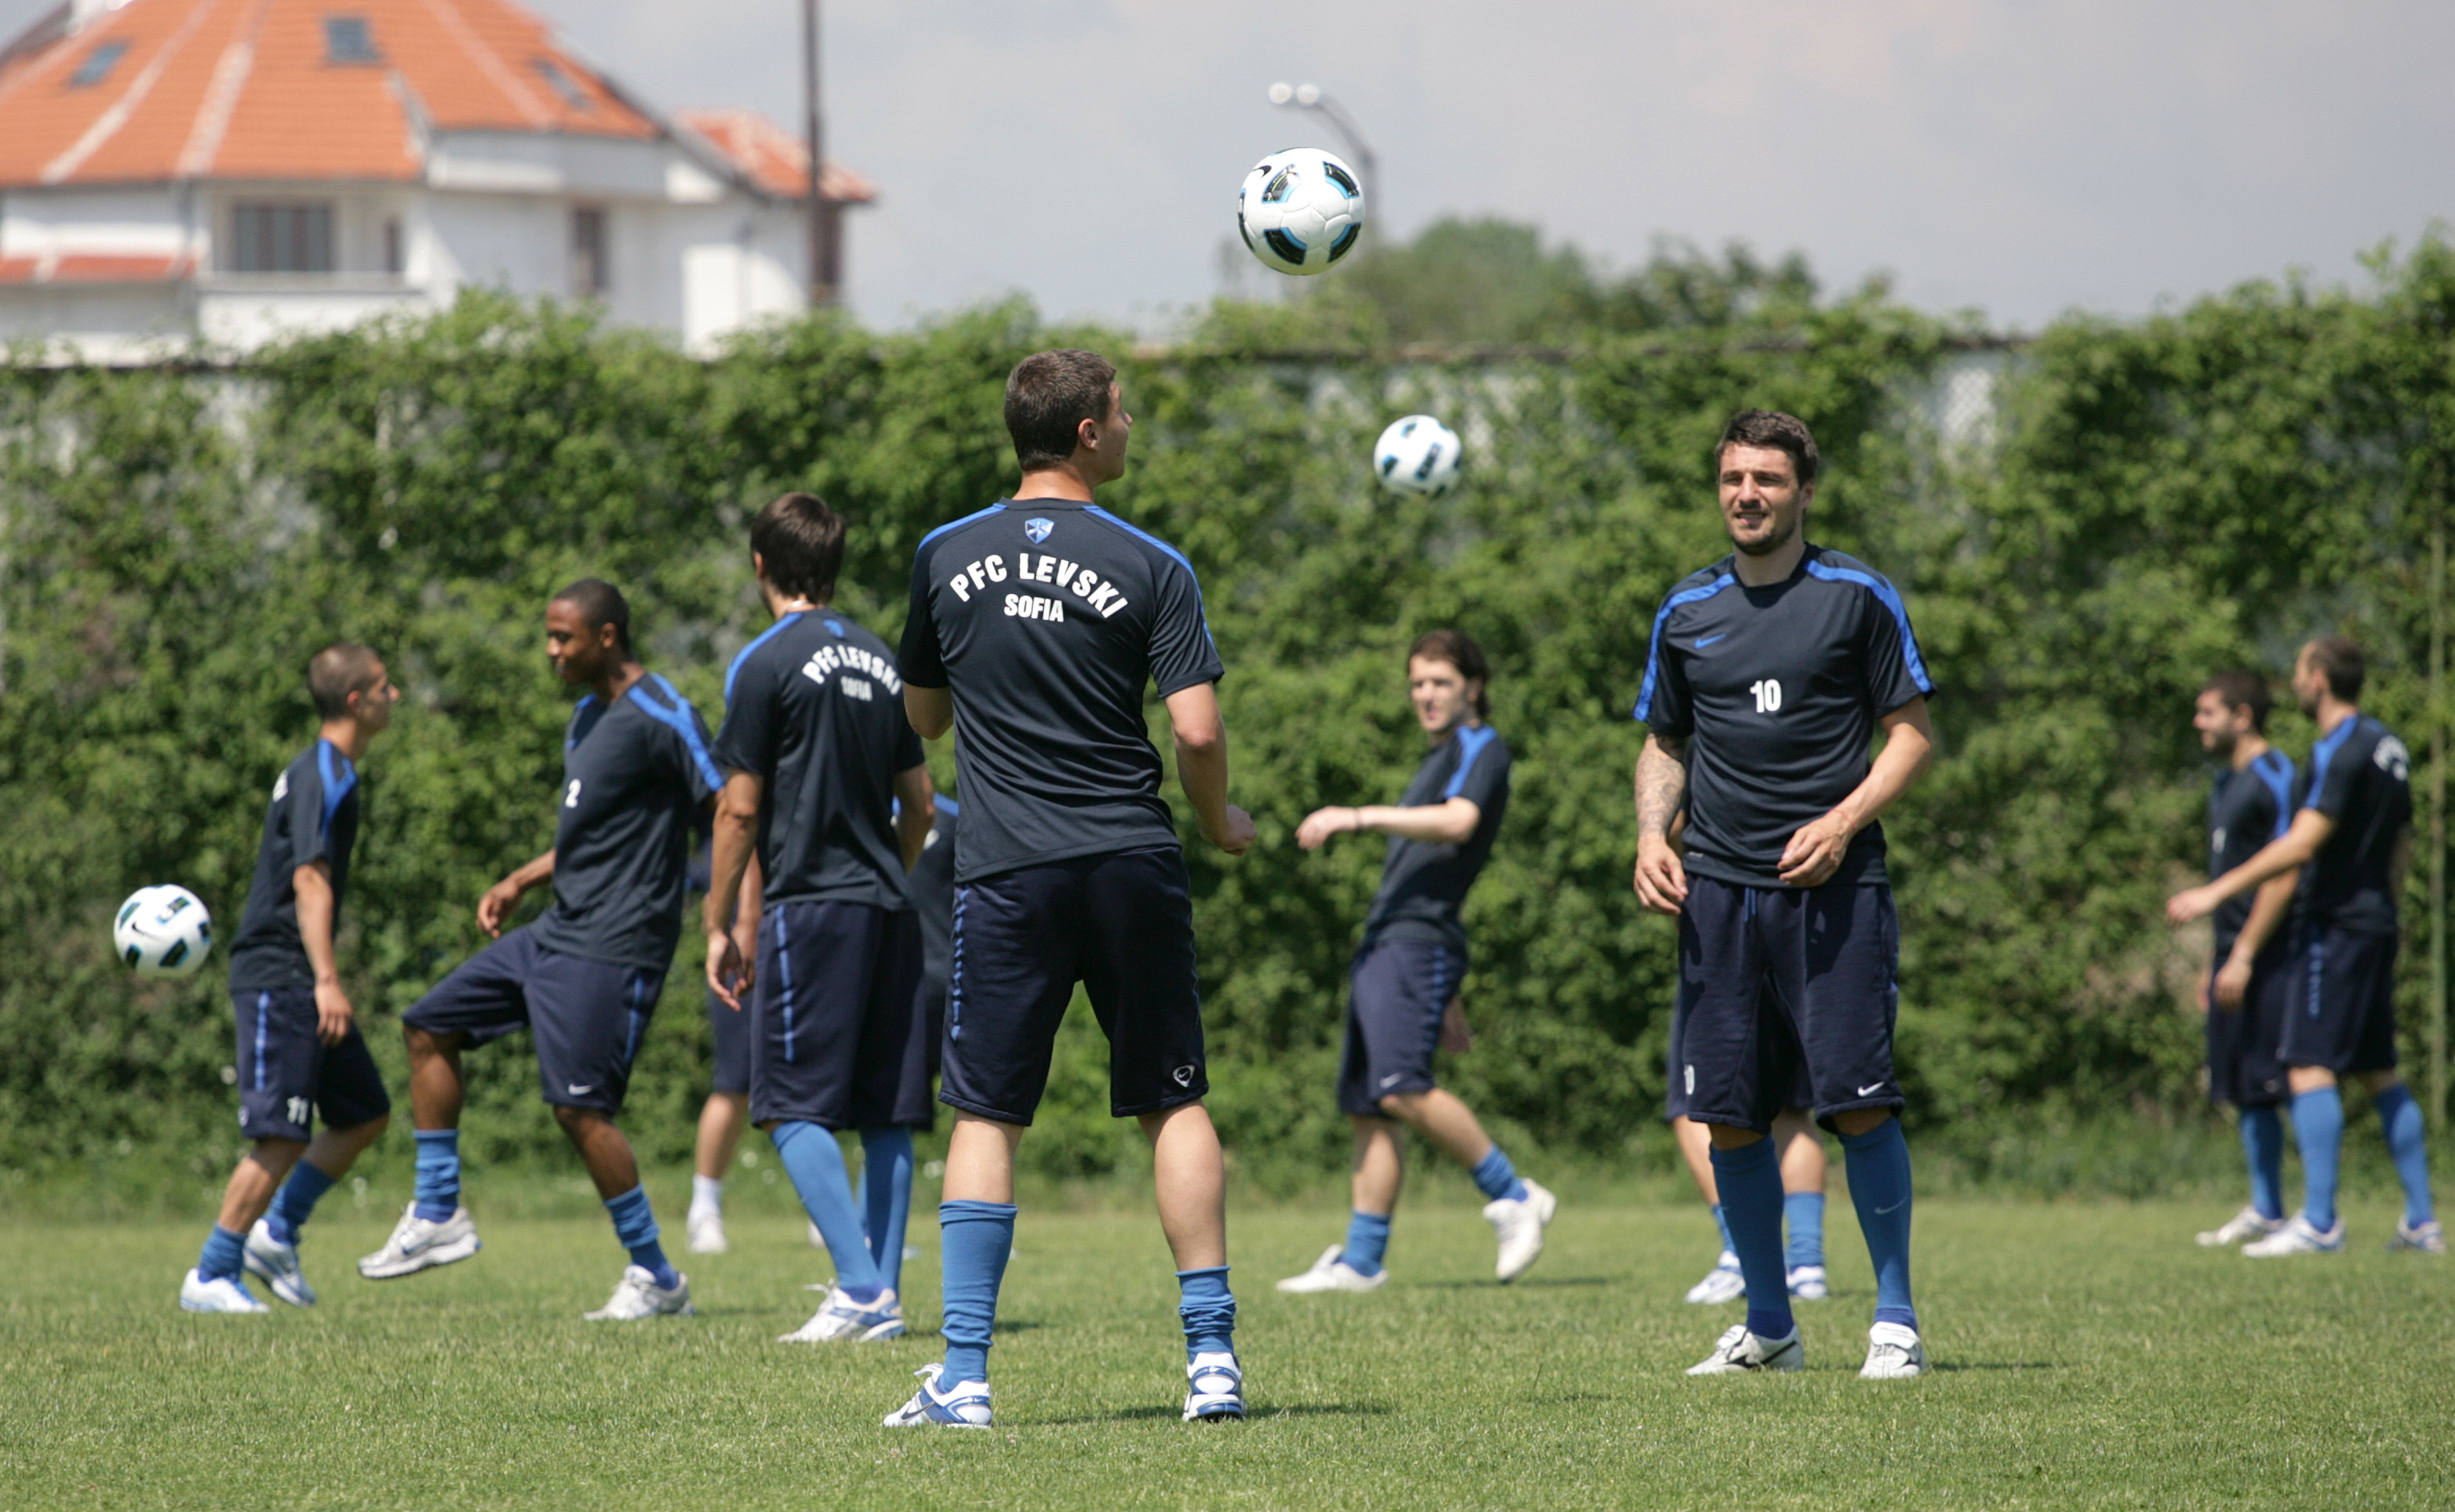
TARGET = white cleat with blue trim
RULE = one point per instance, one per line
(2241, 1228)
(1214, 1388)
(278, 1265)
(637, 1295)
(966, 1405)
(1894, 1352)
(1807, 1283)
(1723, 1283)
(1333, 1274)
(1740, 1352)
(418, 1245)
(223, 1294)
(841, 1318)
(1519, 1223)
(2298, 1238)
(2427, 1238)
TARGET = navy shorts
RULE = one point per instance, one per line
(2341, 1011)
(728, 1030)
(286, 1074)
(1122, 927)
(587, 1018)
(838, 1040)
(1774, 979)
(1674, 1099)
(2243, 1066)
(1399, 990)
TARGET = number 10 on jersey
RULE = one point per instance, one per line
(1768, 694)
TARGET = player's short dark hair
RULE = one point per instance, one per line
(1458, 650)
(1786, 433)
(600, 604)
(338, 670)
(2242, 689)
(2340, 661)
(1048, 396)
(803, 542)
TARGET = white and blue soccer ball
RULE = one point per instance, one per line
(1417, 455)
(163, 931)
(1301, 210)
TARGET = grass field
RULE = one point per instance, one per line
(2086, 1356)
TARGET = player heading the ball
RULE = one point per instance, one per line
(299, 1050)
(1770, 673)
(1034, 627)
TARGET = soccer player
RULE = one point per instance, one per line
(1769, 675)
(2351, 837)
(726, 1113)
(2248, 984)
(299, 1049)
(1035, 625)
(584, 977)
(825, 779)
(1403, 985)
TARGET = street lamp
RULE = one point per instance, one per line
(1309, 97)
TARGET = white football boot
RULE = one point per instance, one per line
(1894, 1352)
(2298, 1238)
(1333, 1274)
(637, 1295)
(1723, 1283)
(1520, 1225)
(1214, 1388)
(841, 1318)
(2242, 1226)
(707, 1232)
(223, 1294)
(964, 1405)
(1807, 1283)
(1740, 1353)
(278, 1265)
(418, 1245)
(2429, 1238)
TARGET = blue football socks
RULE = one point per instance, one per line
(224, 1256)
(1805, 1213)
(1207, 1310)
(438, 1173)
(296, 1202)
(1368, 1239)
(887, 1198)
(974, 1240)
(2263, 1145)
(1749, 1180)
(2400, 1115)
(2319, 1128)
(1722, 1226)
(635, 1227)
(1497, 1179)
(1878, 1164)
(816, 1163)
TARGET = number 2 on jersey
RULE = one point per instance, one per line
(1768, 694)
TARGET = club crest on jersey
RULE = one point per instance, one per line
(1038, 529)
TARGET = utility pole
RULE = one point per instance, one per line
(824, 241)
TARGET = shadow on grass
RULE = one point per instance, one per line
(1326, 1409)
(1949, 1367)
(1518, 1286)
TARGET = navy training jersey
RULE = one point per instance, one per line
(1424, 883)
(1777, 690)
(931, 884)
(1047, 618)
(814, 707)
(314, 816)
(636, 780)
(2246, 810)
(2360, 776)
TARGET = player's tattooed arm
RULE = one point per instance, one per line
(1661, 796)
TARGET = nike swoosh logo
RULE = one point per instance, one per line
(1387, 1080)
(1710, 640)
(575, 1089)
(1895, 1208)
(1863, 1091)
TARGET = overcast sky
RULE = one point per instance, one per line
(2021, 158)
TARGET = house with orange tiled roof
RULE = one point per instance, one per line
(231, 169)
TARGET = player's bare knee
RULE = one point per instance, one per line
(1858, 1120)
(1727, 1137)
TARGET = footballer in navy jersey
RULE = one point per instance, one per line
(300, 1053)
(825, 781)
(1035, 626)
(584, 977)
(1403, 983)
(2350, 837)
(1769, 676)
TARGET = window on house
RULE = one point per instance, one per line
(282, 238)
(589, 270)
(563, 83)
(394, 261)
(349, 39)
(97, 65)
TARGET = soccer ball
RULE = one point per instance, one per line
(1418, 454)
(163, 931)
(1300, 210)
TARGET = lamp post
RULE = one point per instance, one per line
(1309, 97)
(823, 245)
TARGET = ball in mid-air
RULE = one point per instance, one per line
(1301, 210)
(1418, 454)
(163, 931)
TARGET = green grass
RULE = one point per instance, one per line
(2086, 1356)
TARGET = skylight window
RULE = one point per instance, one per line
(349, 39)
(97, 65)
(563, 83)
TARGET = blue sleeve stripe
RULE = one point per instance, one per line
(678, 718)
(947, 804)
(2321, 755)
(996, 509)
(1145, 536)
(334, 790)
(761, 639)
(1891, 599)
(1472, 743)
(2276, 770)
(1653, 652)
